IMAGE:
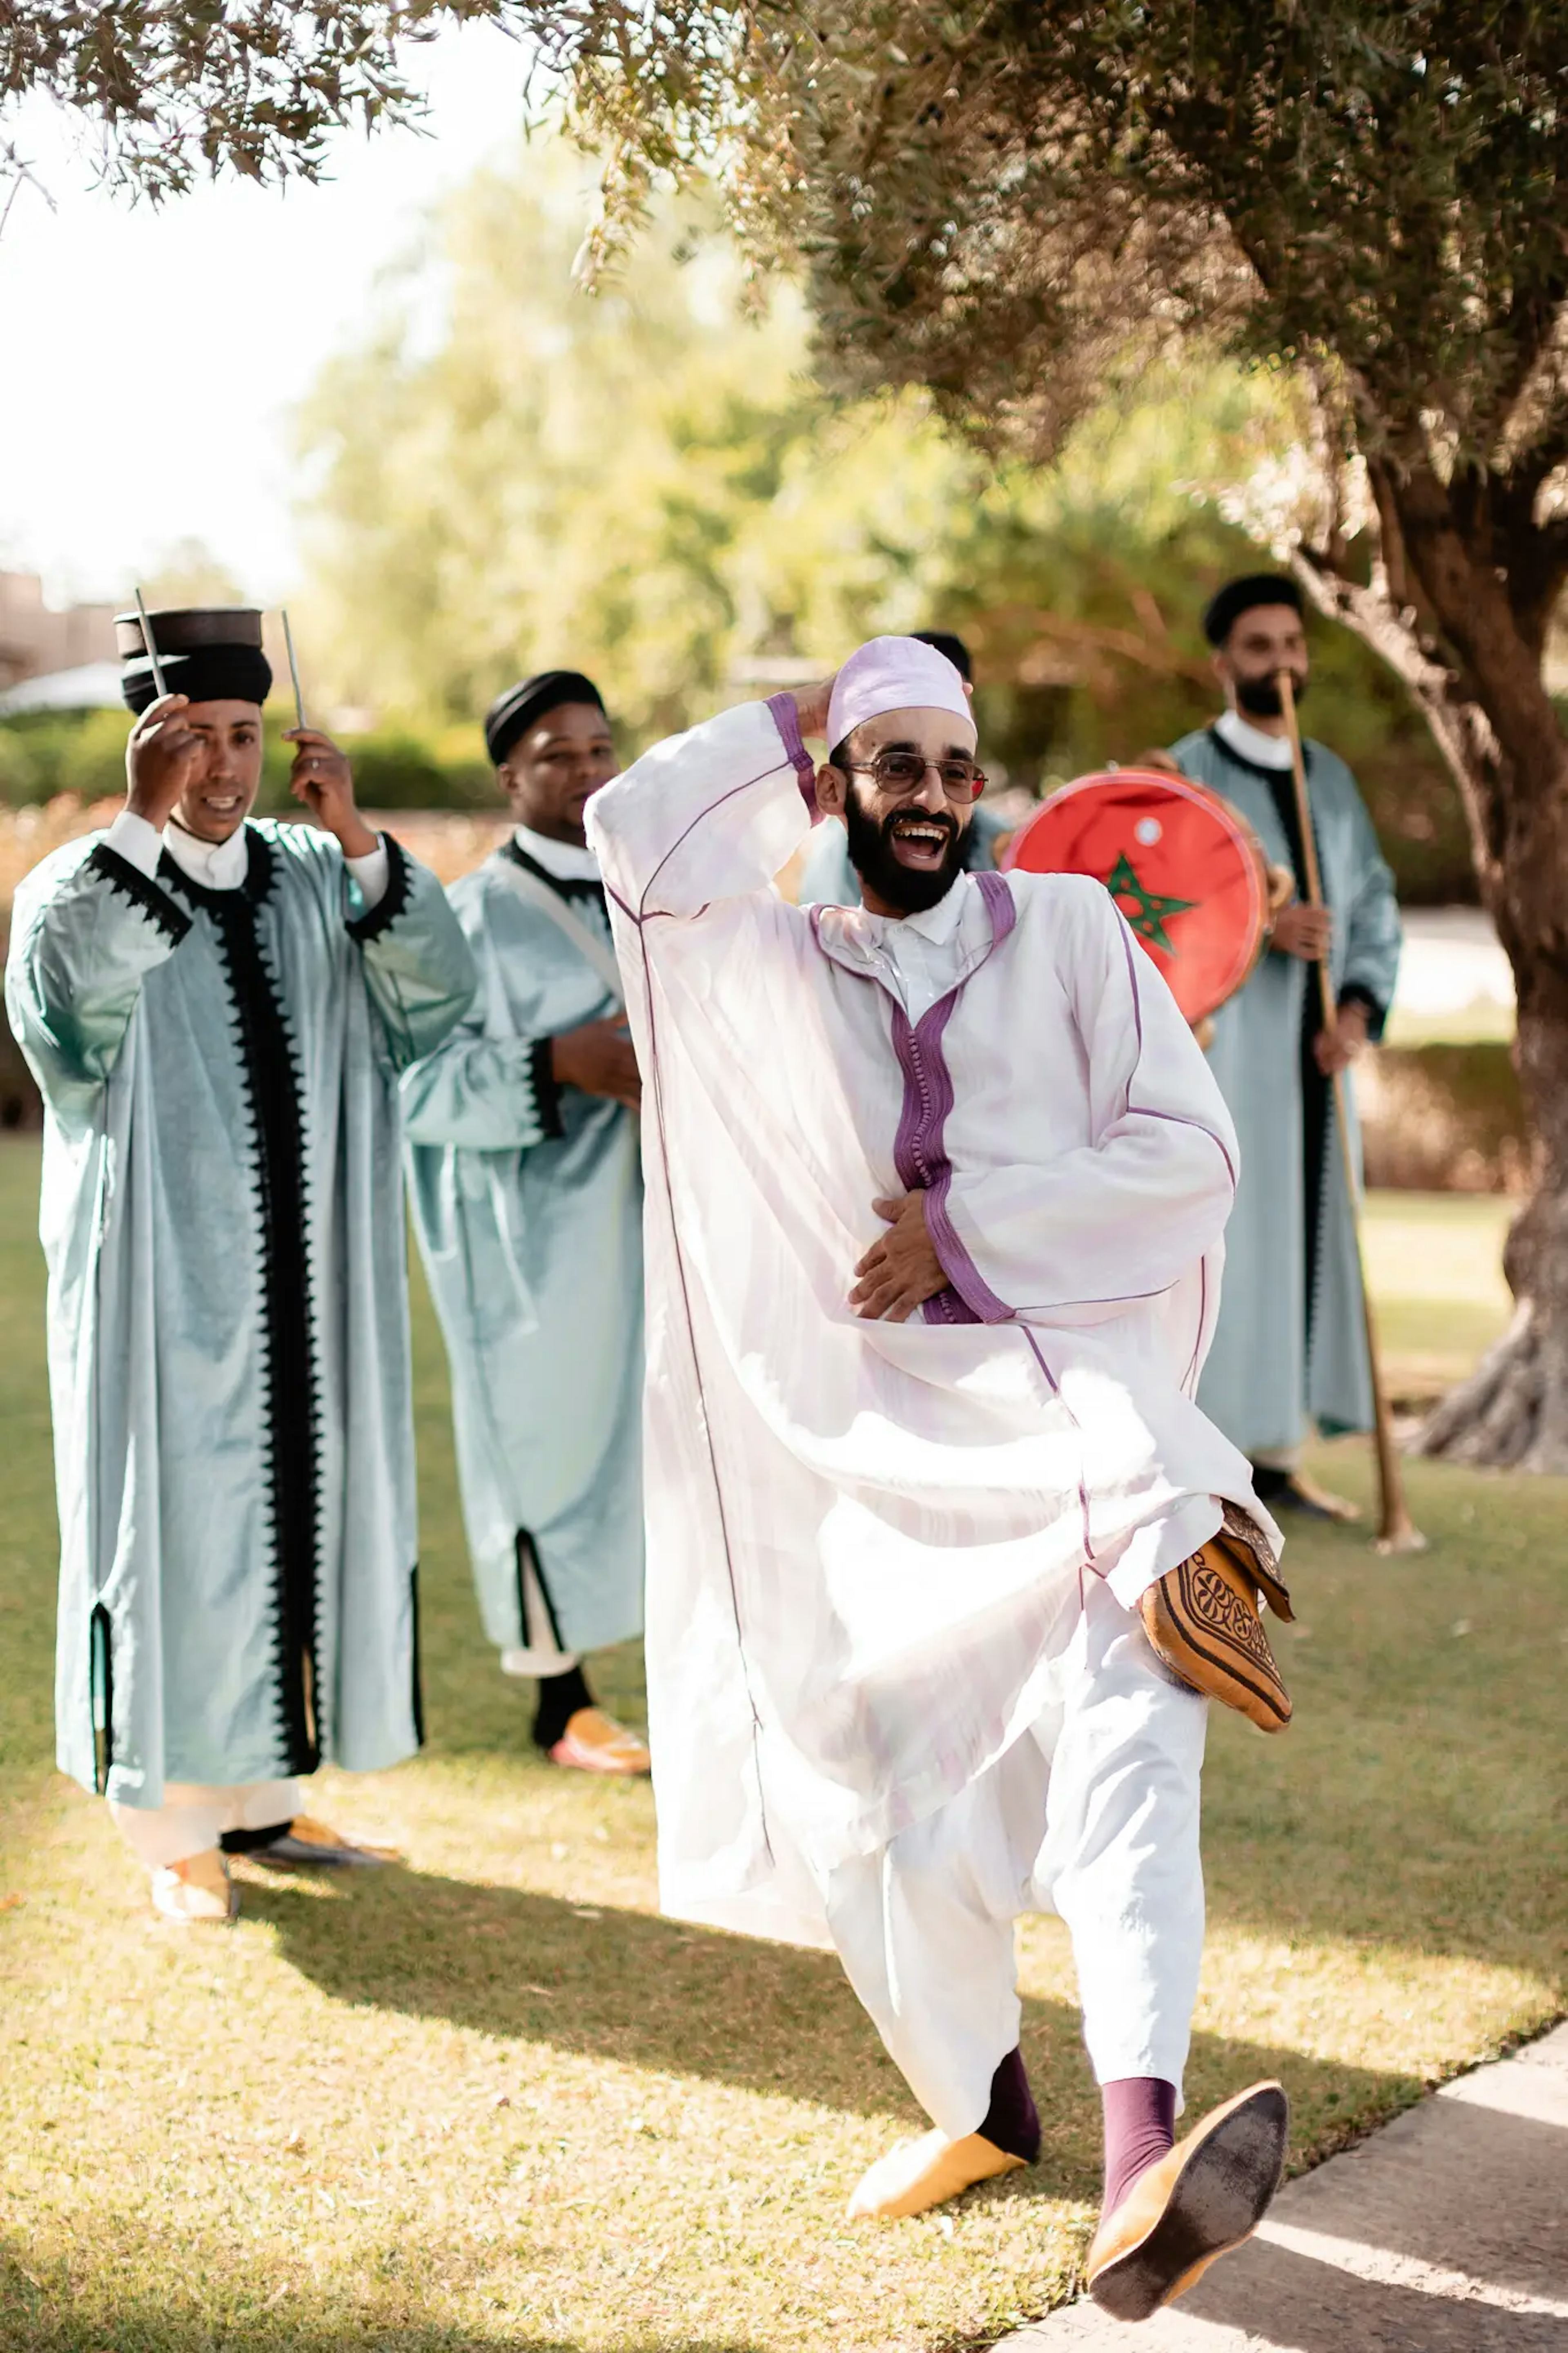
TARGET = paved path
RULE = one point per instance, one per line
(1445, 2233)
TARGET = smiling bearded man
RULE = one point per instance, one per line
(216, 1012)
(942, 1556)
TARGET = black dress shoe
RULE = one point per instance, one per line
(1288, 1491)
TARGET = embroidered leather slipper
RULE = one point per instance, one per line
(1208, 2196)
(593, 1742)
(195, 1892)
(927, 2172)
(305, 1842)
(1203, 1618)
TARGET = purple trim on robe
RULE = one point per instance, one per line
(787, 719)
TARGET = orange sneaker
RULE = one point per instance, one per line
(593, 1742)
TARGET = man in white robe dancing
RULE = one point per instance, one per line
(941, 1555)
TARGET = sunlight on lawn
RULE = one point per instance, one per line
(492, 2099)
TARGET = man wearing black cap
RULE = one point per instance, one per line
(1290, 1351)
(827, 876)
(216, 1011)
(527, 1201)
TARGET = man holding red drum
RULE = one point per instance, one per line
(1290, 1352)
(943, 1558)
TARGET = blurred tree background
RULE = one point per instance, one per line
(648, 483)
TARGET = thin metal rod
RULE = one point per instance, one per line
(294, 669)
(1397, 1531)
(150, 647)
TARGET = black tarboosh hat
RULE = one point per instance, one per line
(211, 655)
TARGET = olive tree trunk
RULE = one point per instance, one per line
(1448, 558)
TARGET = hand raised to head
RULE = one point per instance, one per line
(162, 758)
(323, 781)
(811, 707)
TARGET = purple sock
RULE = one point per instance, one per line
(1140, 2126)
(1011, 2123)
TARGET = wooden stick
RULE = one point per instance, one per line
(150, 647)
(293, 668)
(1397, 1531)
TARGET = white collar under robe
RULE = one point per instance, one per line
(867, 1540)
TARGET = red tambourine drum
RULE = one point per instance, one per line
(1185, 868)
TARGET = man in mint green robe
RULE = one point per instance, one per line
(216, 1011)
(1290, 1352)
(527, 1192)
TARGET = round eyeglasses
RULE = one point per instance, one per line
(905, 772)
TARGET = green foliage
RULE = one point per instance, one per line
(180, 88)
(643, 486)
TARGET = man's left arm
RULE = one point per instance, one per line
(418, 970)
(1085, 1234)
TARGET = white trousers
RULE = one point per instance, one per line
(1093, 1814)
(194, 1817)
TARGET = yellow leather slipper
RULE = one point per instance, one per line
(927, 2172)
(1208, 2196)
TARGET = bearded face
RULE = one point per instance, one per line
(909, 858)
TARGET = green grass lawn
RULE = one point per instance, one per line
(492, 2099)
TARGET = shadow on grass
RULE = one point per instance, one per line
(70, 2309)
(644, 1992)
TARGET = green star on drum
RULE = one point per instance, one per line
(1150, 912)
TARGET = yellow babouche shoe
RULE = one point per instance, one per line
(593, 1742)
(920, 2174)
(195, 1892)
(1205, 2197)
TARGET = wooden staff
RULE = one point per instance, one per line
(294, 669)
(150, 647)
(1397, 1531)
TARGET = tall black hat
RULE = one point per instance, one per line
(1238, 596)
(211, 656)
(512, 714)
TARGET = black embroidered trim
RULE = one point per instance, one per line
(1356, 992)
(417, 1694)
(260, 873)
(546, 1087)
(527, 1558)
(143, 893)
(101, 1677)
(565, 886)
(289, 1373)
(392, 900)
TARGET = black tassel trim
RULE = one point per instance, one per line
(580, 887)
(528, 1558)
(392, 900)
(416, 1695)
(288, 1373)
(131, 884)
(546, 1086)
(100, 1672)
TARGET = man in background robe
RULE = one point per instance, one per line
(527, 1194)
(942, 1554)
(827, 876)
(217, 1011)
(1290, 1352)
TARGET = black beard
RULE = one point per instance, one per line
(911, 891)
(1259, 697)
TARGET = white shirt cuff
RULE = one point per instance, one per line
(140, 844)
(371, 873)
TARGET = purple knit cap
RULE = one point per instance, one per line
(894, 674)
